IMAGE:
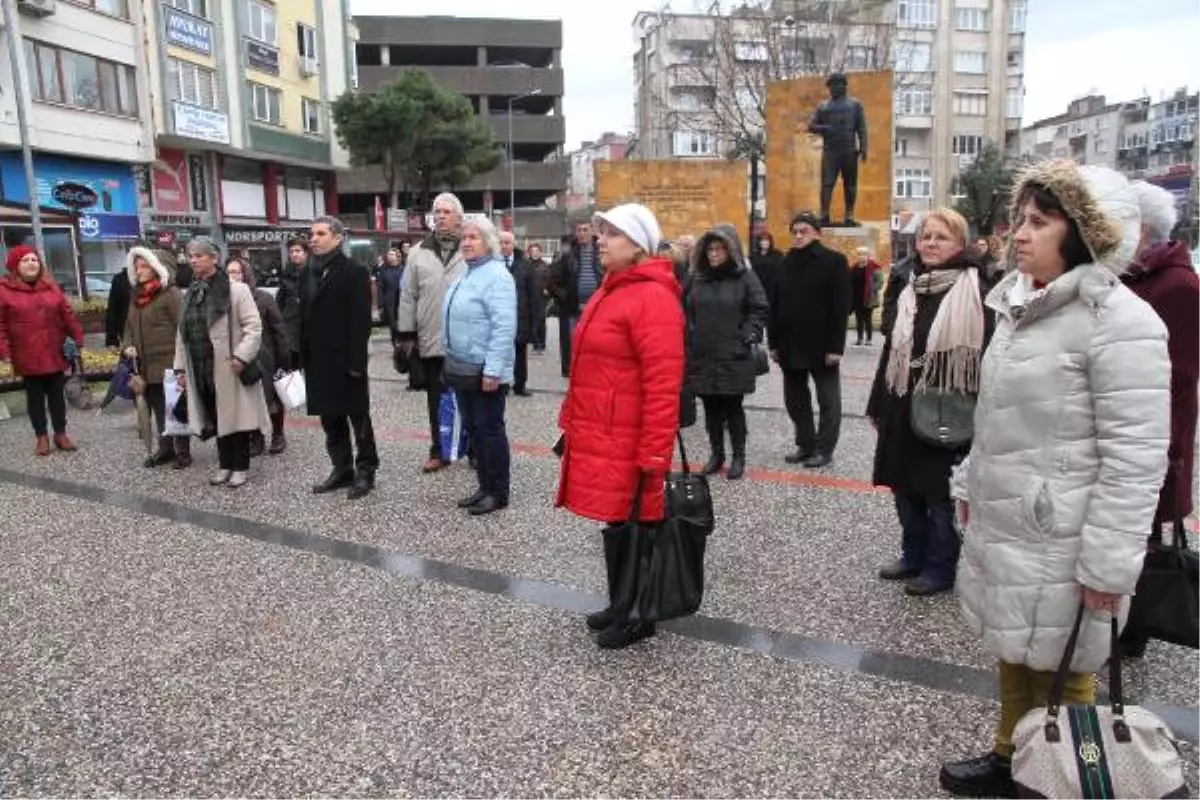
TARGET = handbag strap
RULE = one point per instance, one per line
(1181, 541)
(682, 452)
(1116, 691)
(635, 513)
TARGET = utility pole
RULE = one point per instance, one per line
(512, 170)
(16, 57)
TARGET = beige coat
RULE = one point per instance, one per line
(239, 408)
(422, 292)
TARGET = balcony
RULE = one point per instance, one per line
(535, 177)
(509, 81)
(918, 122)
(529, 129)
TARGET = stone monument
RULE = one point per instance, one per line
(841, 123)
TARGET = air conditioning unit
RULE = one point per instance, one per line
(309, 66)
(37, 8)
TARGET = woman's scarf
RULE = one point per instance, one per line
(955, 345)
(146, 292)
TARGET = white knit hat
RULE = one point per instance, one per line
(635, 221)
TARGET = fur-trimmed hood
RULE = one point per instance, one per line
(164, 275)
(727, 234)
(1100, 200)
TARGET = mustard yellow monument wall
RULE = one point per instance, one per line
(794, 159)
(687, 196)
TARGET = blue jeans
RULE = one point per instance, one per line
(929, 542)
(483, 415)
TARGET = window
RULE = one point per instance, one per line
(914, 57)
(970, 62)
(687, 101)
(970, 19)
(750, 51)
(916, 13)
(114, 8)
(901, 147)
(1016, 16)
(968, 145)
(971, 104)
(81, 81)
(914, 183)
(193, 84)
(265, 104)
(747, 99)
(692, 143)
(261, 22)
(957, 187)
(306, 42)
(914, 102)
(1014, 103)
(860, 57)
(197, 8)
(310, 112)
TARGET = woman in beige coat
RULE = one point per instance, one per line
(219, 337)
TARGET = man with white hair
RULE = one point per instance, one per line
(1162, 275)
(433, 265)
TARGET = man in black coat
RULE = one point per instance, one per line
(574, 278)
(117, 310)
(529, 307)
(807, 334)
(898, 278)
(335, 332)
(288, 296)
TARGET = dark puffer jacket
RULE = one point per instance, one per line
(726, 310)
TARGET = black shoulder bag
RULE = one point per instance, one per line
(251, 373)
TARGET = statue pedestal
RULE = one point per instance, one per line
(847, 241)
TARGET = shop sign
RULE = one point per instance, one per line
(199, 184)
(260, 235)
(188, 32)
(201, 123)
(261, 57)
(74, 196)
(158, 219)
(106, 227)
(170, 182)
(104, 191)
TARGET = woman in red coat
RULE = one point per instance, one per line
(621, 412)
(35, 323)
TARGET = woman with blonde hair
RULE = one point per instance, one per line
(937, 343)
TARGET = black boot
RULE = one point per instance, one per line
(183, 452)
(164, 455)
(737, 440)
(599, 620)
(987, 776)
(258, 444)
(714, 423)
(278, 440)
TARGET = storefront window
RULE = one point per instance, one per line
(59, 255)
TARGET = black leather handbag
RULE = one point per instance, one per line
(943, 418)
(1165, 605)
(762, 361)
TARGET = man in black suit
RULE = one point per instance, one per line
(119, 295)
(335, 332)
(529, 307)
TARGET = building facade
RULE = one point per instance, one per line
(1141, 138)
(581, 188)
(511, 72)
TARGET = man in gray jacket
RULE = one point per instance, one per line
(432, 267)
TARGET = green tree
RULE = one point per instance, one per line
(420, 135)
(985, 186)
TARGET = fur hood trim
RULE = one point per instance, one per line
(164, 275)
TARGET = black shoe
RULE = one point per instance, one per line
(487, 505)
(858, 343)
(714, 464)
(361, 486)
(621, 634)
(336, 480)
(798, 457)
(817, 461)
(898, 572)
(737, 468)
(599, 620)
(278, 444)
(986, 776)
(467, 502)
(923, 587)
(257, 445)
(162, 456)
(522, 393)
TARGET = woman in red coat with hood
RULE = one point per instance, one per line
(35, 323)
(621, 412)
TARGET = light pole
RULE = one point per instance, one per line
(16, 56)
(512, 171)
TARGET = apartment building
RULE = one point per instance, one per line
(1143, 139)
(239, 98)
(581, 187)
(959, 67)
(511, 71)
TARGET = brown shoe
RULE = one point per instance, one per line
(43, 446)
(63, 442)
(433, 465)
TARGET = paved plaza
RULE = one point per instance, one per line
(161, 637)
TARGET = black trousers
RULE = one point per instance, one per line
(483, 414)
(566, 329)
(832, 165)
(337, 443)
(521, 367)
(812, 439)
(434, 387)
(233, 451)
(862, 322)
(721, 412)
(42, 391)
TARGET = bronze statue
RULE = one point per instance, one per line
(842, 124)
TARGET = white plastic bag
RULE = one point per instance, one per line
(291, 390)
(173, 395)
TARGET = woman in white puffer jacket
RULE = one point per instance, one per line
(1059, 492)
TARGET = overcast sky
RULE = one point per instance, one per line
(1074, 47)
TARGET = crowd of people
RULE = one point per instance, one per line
(1035, 401)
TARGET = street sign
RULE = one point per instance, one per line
(75, 196)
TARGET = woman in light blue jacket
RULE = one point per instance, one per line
(480, 315)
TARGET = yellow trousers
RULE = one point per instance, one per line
(1023, 689)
